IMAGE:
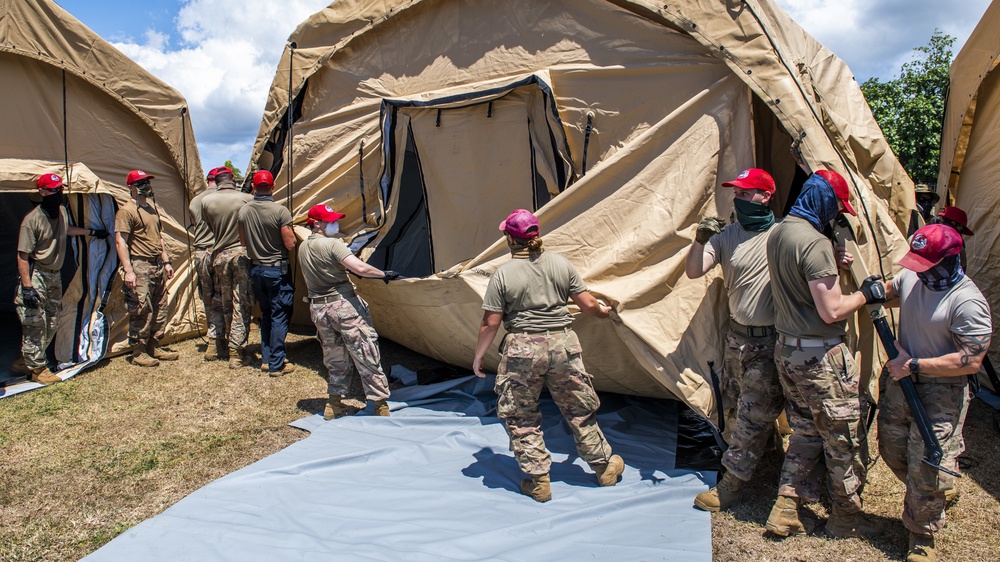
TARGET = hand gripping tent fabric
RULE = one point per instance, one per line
(75, 106)
(428, 122)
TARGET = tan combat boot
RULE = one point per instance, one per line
(141, 359)
(607, 474)
(236, 360)
(842, 525)
(951, 496)
(154, 350)
(217, 350)
(19, 367)
(784, 519)
(921, 548)
(43, 376)
(724, 494)
(335, 408)
(381, 408)
(285, 369)
(538, 487)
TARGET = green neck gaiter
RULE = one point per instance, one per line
(756, 217)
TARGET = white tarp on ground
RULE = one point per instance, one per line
(434, 482)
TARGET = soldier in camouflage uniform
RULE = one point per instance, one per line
(203, 241)
(945, 329)
(230, 265)
(529, 294)
(752, 396)
(818, 373)
(146, 269)
(343, 323)
(41, 250)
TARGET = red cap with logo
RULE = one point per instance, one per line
(136, 175)
(50, 181)
(263, 177)
(522, 223)
(839, 185)
(322, 213)
(211, 174)
(930, 245)
(957, 219)
(753, 178)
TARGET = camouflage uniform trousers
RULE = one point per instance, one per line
(208, 293)
(900, 444)
(39, 325)
(350, 348)
(824, 412)
(751, 386)
(232, 281)
(530, 362)
(147, 303)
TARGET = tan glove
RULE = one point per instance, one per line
(709, 227)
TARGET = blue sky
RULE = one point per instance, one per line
(221, 54)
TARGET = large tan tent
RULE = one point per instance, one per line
(74, 105)
(428, 121)
(970, 153)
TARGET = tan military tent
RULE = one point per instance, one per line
(970, 153)
(427, 122)
(71, 102)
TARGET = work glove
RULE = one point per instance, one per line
(99, 233)
(873, 289)
(390, 276)
(709, 227)
(30, 297)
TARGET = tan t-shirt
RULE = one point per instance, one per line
(742, 254)
(44, 239)
(532, 293)
(140, 226)
(262, 222)
(221, 211)
(320, 258)
(796, 254)
(929, 320)
(202, 237)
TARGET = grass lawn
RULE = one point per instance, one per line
(83, 460)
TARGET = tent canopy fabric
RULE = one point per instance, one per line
(76, 106)
(427, 122)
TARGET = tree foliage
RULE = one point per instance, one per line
(910, 108)
(237, 173)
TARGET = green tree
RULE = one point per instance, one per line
(237, 173)
(910, 108)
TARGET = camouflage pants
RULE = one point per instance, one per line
(752, 389)
(39, 325)
(901, 446)
(210, 297)
(350, 347)
(232, 281)
(553, 360)
(147, 303)
(824, 411)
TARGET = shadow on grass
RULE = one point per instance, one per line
(982, 448)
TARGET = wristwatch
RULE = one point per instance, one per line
(914, 366)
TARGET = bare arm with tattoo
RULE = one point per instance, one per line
(966, 361)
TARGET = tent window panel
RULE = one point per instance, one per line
(407, 248)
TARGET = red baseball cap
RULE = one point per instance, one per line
(136, 175)
(211, 174)
(50, 181)
(839, 185)
(522, 223)
(263, 177)
(753, 178)
(223, 170)
(957, 219)
(322, 213)
(930, 245)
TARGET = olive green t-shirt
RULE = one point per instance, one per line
(320, 258)
(44, 239)
(262, 222)
(532, 293)
(221, 211)
(796, 254)
(742, 254)
(140, 226)
(202, 237)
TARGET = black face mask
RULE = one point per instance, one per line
(51, 203)
(925, 205)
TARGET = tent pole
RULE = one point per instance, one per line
(69, 180)
(291, 121)
(186, 197)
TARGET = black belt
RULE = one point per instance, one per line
(751, 331)
(154, 261)
(275, 263)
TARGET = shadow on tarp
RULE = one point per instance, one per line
(436, 481)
